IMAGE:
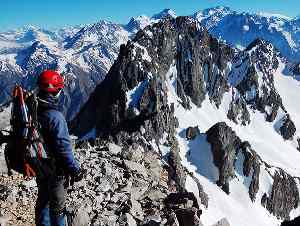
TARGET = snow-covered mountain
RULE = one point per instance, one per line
(83, 54)
(140, 22)
(240, 29)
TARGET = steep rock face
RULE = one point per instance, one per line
(132, 105)
(202, 70)
(144, 62)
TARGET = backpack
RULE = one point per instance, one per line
(25, 151)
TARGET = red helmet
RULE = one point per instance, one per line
(50, 81)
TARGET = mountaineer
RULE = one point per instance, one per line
(50, 204)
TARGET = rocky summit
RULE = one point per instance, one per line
(183, 130)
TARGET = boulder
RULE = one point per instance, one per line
(114, 149)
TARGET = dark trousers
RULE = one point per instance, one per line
(50, 204)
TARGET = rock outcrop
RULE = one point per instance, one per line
(284, 196)
(224, 145)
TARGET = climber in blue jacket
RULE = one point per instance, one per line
(50, 206)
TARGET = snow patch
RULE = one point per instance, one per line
(134, 95)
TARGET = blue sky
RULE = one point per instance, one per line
(58, 13)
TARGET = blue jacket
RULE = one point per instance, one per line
(56, 135)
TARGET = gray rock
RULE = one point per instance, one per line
(172, 220)
(152, 220)
(5, 191)
(188, 217)
(136, 210)
(3, 166)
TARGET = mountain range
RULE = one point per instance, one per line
(192, 119)
(85, 53)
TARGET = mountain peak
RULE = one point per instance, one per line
(219, 11)
(137, 23)
(163, 14)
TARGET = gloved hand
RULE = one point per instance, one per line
(78, 176)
